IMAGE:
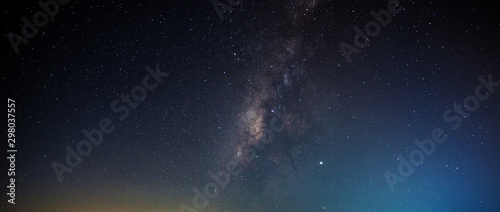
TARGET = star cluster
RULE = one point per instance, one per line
(267, 92)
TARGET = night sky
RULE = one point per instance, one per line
(252, 106)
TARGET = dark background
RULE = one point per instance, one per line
(355, 119)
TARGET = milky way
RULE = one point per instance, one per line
(268, 89)
(276, 80)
